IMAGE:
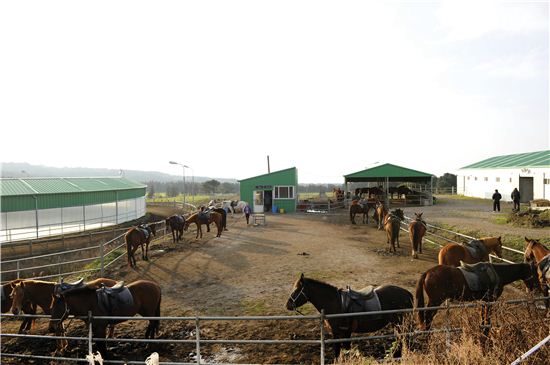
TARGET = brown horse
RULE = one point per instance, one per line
(224, 216)
(145, 300)
(417, 230)
(176, 224)
(357, 207)
(444, 282)
(380, 213)
(138, 236)
(392, 224)
(452, 253)
(213, 217)
(326, 297)
(26, 307)
(537, 252)
(400, 190)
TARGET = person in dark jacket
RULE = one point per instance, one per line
(515, 198)
(496, 201)
(247, 211)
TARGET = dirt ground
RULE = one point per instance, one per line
(250, 270)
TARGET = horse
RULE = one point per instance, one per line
(417, 230)
(145, 300)
(224, 216)
(358, 207)
(176, 224)
(452, 253)
(328, 298)
(444, 282)
(213, 217)
(537, 252)
(238, 206)
(26, 307)
(380, 213)
(400, 190)
(138, 236)
(392, 222)
(27, 295)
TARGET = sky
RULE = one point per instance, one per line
(328, 87)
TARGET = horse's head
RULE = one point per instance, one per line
(418, 216)
(399, 213)
(528, 255)
(17, 296)
(530, 278)
(493, 244)
(59, 312)
(298, 296)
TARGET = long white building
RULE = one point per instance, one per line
(529, 172)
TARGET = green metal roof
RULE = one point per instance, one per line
(530, 159)
(270, 173)
(392, 172)
(59, 185)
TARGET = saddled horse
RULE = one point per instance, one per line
(27, 295)
(139, 297)
(380, 213)
(444, 282)
(330, 299)
(358, 207)
(207, 218)
(223, 213)
(139, 236)
(176, 223)
(417, 230)
(538, 253)
(476, 251)
(392, 223)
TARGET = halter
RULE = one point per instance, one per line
(295, 299)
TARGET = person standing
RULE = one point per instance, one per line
(515, 198)
(247, 211)
(496, 201)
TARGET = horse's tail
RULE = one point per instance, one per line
(416, 235)
(128, 249)
(156, 324)
(419, 299)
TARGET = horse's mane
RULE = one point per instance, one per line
(531, 242)
(317, 282)
(38, 282)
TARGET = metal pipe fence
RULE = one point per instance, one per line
(322, 341)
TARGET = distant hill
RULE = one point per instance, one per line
(15, 169)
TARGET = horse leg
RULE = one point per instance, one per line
(143, 257)
(486, 319)
(430, 314)
(99, 330)
(146, 251)
(208, 227)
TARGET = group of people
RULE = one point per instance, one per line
(516, 196)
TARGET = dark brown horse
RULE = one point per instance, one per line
(417, 230)
(536, 252)
(399, 190)
(145, 300)
(452, 253)
(444, 282)
(326, 297)
(392, 224)
(26, 307)
(223, 213)
(363, 207)
(212, 217)
(380, 214)
(176, 223)
(139, 236)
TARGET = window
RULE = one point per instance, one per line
(284, 192)
(497, 179)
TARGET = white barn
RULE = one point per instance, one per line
(529, 172)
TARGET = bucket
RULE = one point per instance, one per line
(274, 209)
(281, 210)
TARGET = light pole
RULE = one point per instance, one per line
(183, 168)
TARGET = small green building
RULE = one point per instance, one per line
(276, 189)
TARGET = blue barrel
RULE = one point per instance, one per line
(274, 209)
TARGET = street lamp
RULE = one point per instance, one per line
(183, 168)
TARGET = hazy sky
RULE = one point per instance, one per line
(330, 87)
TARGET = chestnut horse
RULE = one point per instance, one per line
(138, 236)
(26, 307)
(213, 217)
(176, 224)
(417, 230)
(392, 224)
(326, 297)
(537, 252)
(146, 297)
(444, 282)
(380, 213)
(452, 253)
(364, 207)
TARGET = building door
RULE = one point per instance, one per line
(526, 189)
(258, 201)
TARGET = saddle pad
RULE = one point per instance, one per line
(145, 232)
(480, 277)
(471, 279)
(477, 249)
(351, 303)
(114, 302)
(544, 267)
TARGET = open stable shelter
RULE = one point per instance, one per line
(37, 207)
(278, 188)
(387, 175)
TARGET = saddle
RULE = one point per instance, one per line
(115, 298)
(145, 231)
(477, 249)
(544, 267)
(179, 219)
(480, 277)
(63, 287)
(204, 217)
(364, 300)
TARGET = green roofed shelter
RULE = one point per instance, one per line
(55, 205)
(271, 192)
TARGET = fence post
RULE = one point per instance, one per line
(101, 258)
(322, 337)
(329, 205)
(17, 274)
(90, 333)
(198, 337)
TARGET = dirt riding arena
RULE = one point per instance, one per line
(250, 270)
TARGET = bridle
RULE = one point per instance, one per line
(295, 299)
